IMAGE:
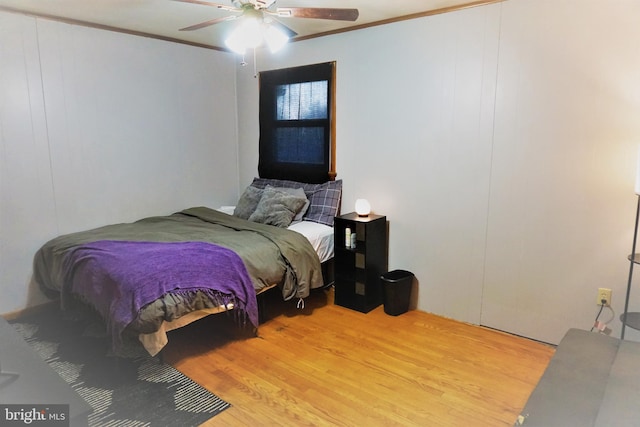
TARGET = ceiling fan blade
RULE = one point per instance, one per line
(209, 23)
(288, 31)
(318, 13)
(208, 3)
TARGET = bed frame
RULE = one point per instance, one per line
(155, 342)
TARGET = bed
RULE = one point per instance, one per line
(159, 273)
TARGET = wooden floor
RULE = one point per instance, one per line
(326, 365)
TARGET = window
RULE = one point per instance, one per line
(296, 123)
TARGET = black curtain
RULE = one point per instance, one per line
(295, 123)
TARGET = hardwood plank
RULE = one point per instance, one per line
(328, 365)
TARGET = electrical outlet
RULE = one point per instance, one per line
(604, 294)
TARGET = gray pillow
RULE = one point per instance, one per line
(248, 202)
(298, 192)
(277, 208)
(324, 199)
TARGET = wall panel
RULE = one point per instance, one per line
(27, 206)
(101, 127)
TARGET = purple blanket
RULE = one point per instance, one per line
(121, 277)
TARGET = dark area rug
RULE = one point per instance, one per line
(133, 389)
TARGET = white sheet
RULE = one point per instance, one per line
(320, 236)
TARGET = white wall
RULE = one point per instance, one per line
(98, 127)
(500, 141)
(567, 129)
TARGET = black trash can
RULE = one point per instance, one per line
(396, 291)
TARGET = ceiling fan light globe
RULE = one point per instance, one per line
(247, 35)
(275, 38)
(235, 44)
(251, 32)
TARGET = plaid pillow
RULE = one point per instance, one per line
(324, 199)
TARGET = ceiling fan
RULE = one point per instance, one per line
(261, 16)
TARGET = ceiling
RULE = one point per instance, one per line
(163, 18)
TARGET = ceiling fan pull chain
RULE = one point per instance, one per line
(255, 65)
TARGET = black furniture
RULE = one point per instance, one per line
(358, 269)
(27, 380)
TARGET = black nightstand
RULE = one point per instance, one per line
(358, 270)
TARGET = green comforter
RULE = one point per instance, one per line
(272, 255)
